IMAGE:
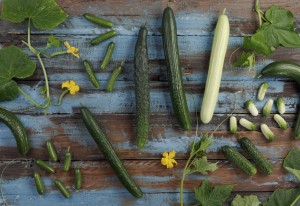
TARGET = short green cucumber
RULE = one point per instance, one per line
(238, 160)
(103, 37)
(174, 73)
(259, 160)
(107, 150)
(142, 88)
(91, 75)
(284, 69)
(107, 56)
(97, 20)
(113, 77)
(40, 187)
(18, 130)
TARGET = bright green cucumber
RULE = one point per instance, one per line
(108, 151)
(108, 55)
(113, 77)
(174, 73)
(17, 128)
(284, 69)
(91, 75)
(238, 160)
(98, 20)
(256, 156)
(142, 88)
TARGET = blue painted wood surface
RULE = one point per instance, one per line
(115, 110)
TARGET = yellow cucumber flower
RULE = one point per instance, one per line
(168, 159)
(71, 86)
(71, 50)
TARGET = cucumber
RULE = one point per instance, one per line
(108, 151)
(217, 57)
(174, 73)
(284, 69)
(40, 187)
(17, 128)
(91, 75)
(108, 55)
(256, 156)
(238, 160)
(98, 20)
(142, 88)
(113, 77)
(103, 37)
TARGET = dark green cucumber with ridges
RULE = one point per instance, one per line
(256, 156)
(238, 160)
(17, 128)
(91, 75)
(108, 151)
(284, 69)
(113, 77)
(108, 55)
(103, 37)
(174, 73)
(142, 88)
(98, 20)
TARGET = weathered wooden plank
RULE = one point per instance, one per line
(151, 176)
(193, 17)
(122, 99)
(68, 130)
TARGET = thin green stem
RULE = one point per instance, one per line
(183, 178)
(55, 54)
(31, 100)
(295, 201)
(61, 98)
(28, 32)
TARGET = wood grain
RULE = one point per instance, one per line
(116, 111)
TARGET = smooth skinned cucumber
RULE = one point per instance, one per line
(17, 128)
(108, 151)
(174, 73)
(142, 88)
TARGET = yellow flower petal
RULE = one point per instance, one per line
(173, 161)
(164, 161)
(67, 45)
(65, 84)
(170, 165)
(166, 155)
(172, 154)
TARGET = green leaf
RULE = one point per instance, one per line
(45, 14)
(250, 200)
(14, 63)
(8, 91)
(209, 196)
(247, 59)
(279, 28)
(292, 162)
(202, 145)
(283, 197)
(280, 17)
(202, 166)
(54, 41)
(257, 43)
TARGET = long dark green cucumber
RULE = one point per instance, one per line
(238, 160)
(108, 151)
(103, 37)
(91, 75)
(142, 88)
(256, 156)
(98, 20)
(174, 73)
(17, 128)
(285, 69)
(113, 77)
(108, 55)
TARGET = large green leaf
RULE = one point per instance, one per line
(14, 63)
(284, 197)
(45, 14)
(292, 163)
(209, 196)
